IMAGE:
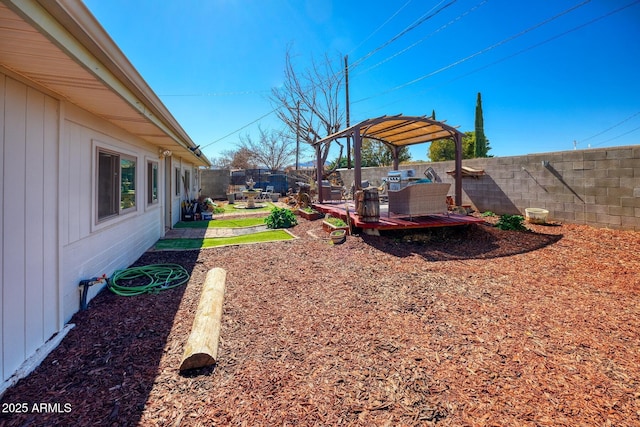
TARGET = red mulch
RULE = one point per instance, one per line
(461, 327)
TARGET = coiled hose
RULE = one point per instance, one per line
(154, 278)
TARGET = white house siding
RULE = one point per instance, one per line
(49, 236)
(29, 133)
(90, 248)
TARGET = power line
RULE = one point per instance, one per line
(526, 50)
(380, 27)
(411, 46)
(413, 26)
(310, 88)
(489, 48)
(251, 92)
(238, 130)
(531, 47)
(616, 137)
(469, 57)
(609, 128)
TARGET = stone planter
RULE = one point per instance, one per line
(328, 227)
(536, 215)
(311, 216)
(338, 236)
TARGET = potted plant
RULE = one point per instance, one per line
(309, 213)
(208, 204)
(330, 224)
(338, 236)
(207, 209)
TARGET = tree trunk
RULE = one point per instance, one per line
(202, 345)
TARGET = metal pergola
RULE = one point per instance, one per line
(395, 132)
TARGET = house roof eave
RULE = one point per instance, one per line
(71, 28)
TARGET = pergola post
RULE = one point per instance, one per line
(357, 157)
(319, 171)
(458, 177)
(396, 160)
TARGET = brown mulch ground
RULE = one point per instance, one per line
(461, 327)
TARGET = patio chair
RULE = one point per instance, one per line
(266, 194)
(330, 192)
(419, 199)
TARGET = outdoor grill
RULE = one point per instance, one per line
(399, 179)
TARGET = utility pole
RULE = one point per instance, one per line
(298, 135)
(346, 85)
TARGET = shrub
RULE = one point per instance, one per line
(488, 213)
(335, 221)
(511, 222)
(281, 218)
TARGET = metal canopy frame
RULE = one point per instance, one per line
(396, 132)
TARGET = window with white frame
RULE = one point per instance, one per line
(116, 184)
(152, 183)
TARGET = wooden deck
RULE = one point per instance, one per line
(394, 222)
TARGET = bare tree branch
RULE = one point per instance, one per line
(308, 102)
(274, 150)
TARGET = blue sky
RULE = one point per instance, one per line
(548, 75)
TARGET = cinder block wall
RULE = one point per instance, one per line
(215, 183)
(599, 187)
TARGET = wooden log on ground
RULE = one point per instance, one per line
(202, 345)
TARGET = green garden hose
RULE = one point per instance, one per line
(147, 279)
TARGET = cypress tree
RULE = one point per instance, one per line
(481, 147)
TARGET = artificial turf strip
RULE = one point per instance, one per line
(222, 223)
(265, 236)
